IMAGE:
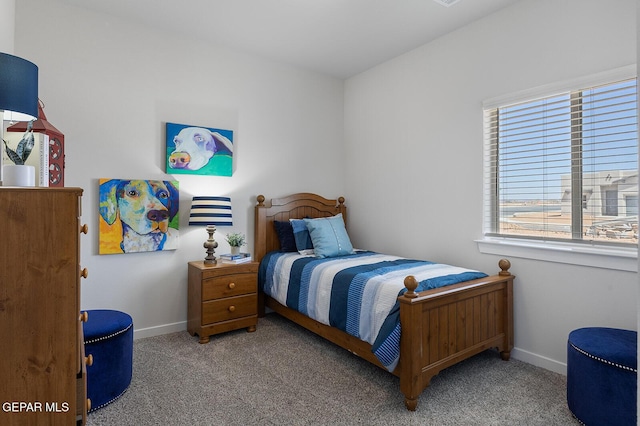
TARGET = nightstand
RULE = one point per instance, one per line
(222, 298)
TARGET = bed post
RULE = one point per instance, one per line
(342, 209)
(410, 345)
(260, 240)
(260, 244)
(505, 353)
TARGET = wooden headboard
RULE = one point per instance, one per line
(295, 206)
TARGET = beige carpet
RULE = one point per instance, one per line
(285, 375)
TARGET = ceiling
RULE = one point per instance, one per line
(336, 37)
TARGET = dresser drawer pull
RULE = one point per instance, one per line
(232, 285)
(88, 404)
(89, 360)
(232, 308)
(84, 317)
(84, 273)
(84, 229)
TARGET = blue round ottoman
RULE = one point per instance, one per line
(108, 338)
(602, 370)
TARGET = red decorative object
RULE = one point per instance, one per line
(56, 144)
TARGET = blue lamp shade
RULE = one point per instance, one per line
(211, 211)
(18, 85)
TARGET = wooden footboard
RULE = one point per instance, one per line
(440, 327)
(445, 326)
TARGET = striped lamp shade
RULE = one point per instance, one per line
(211, 211)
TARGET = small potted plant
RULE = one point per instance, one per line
(235, 240)
(20, 174)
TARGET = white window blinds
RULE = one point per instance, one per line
(565, 166)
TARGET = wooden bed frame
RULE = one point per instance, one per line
(440, 327)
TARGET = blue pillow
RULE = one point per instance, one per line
(329, 236)
(285, 235)
(301, 236)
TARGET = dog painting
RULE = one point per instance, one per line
(199, 150)
(138, 215)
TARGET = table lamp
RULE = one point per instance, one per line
(210, 212)
(18, 90)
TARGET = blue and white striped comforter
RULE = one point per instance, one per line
(356, 293)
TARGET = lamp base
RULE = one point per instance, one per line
(210, 245)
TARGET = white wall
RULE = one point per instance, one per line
(413, 136)
(7, 25)
(110, 85)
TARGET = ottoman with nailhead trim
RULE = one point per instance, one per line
(602, 370)
(108, 338)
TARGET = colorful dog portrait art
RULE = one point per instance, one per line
(138, 215)
(199, 150)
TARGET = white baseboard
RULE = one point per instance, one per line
(159, 330)
(539, 361)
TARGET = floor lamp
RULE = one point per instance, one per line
(18, 90)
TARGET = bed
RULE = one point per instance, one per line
(438, 327)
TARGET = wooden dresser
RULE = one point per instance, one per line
(42, 372)
(221, 298)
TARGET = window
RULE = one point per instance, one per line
(564, 167)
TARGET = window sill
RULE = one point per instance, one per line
(618, 258)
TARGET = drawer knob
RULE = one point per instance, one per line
(232, 308)
(84, 229)
(232, 285)
(88, 404)
(84, 317)
(89, 360)
(84, 273)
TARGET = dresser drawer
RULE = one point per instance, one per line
(229, 285)
(229, 308)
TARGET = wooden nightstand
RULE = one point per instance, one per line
(222, 297)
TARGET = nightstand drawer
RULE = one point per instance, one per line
(229, 308)
(229, 285)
